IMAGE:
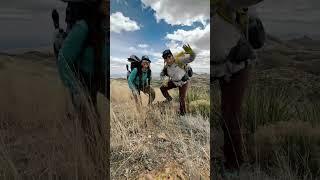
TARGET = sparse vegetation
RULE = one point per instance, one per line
(156, 142)
(40, 133)
(280, 117)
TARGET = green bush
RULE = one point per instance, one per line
(201, 107)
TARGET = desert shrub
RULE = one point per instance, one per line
(201, 107)
(194, 93)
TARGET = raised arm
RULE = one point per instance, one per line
(131, 79)
(188, 59)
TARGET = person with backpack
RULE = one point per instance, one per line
(235, 35)
(140, 78)
(179, 73)
(81, 62)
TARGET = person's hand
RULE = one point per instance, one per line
(135, 93)
(165, 82)
(187, 49)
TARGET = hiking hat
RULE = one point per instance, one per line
(166, 53)
(146, 58)
(133, 58)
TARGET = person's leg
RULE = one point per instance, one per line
(137, 100)
(152, 94)
(231, 100)
(182, 98)
(165, 89)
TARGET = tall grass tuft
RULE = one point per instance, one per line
(267, 105)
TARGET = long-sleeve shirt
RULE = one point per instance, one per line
(134, 80)
(176, 71)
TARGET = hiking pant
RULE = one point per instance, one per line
(231, 99)
(182, 94)
(146, 90)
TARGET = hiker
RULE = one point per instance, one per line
(233, 44)
(82, 55)
(179, 75)
(140, 78)
(81, 63)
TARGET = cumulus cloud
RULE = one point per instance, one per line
(143, 45)
(199, 37)
(119, 23)
(180, 12)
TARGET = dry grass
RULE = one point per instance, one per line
(40, 134)
(156, 139)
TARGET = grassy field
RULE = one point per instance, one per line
(157, 143)
(40, 134)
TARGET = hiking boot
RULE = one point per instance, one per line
(167, 101)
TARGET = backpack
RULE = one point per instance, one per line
(135, 62)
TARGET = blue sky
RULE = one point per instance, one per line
(147, 27)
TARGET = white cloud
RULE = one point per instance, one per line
(118, 66)
(143, 45)
(121, 23)
(199, 38)
(180, 12)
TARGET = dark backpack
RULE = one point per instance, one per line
(189, 70)
(256, 33)
(135, 62)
